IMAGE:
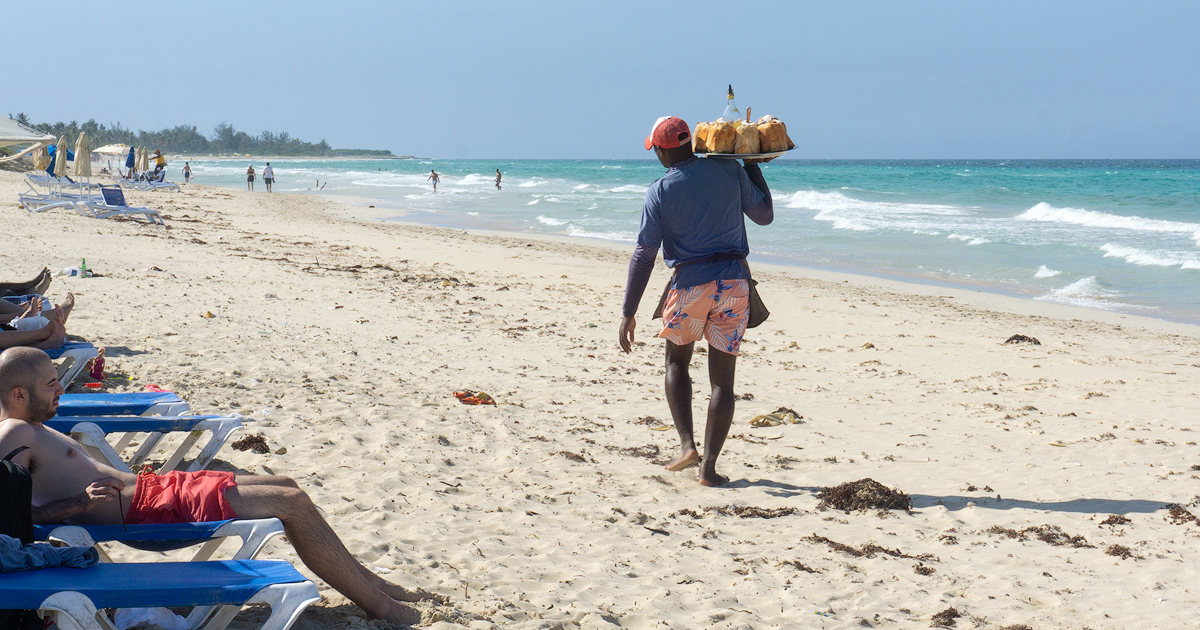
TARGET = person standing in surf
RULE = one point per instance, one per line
(433, 176)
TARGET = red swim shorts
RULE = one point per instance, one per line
(718, 311)
(181, 497)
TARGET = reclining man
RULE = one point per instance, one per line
(29, 325)
(70, 486)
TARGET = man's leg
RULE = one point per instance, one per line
(679, 399)
(317, 544)
(721, 368)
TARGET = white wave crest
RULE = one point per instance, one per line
(1087, 292)
(1074, 216)
(629, 188)
(1045, 272)
(628, 237)
(545, 220)
(848, 213)
(533, 203)
(582, 187)
(971, 240)
(1137, 256)
(536, 181)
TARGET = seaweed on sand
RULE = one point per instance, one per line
(864, 494)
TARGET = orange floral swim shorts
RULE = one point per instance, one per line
(717, 311)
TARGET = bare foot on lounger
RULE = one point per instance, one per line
(66, 307)
(33, 308)
(58, 333)
(689, 458)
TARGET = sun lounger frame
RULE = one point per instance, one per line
(92, 432)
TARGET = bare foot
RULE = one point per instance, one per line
(402, 615)
(58, 336)
(401, 594)
(33, 308)
(66, 306)
(712, 480)
(689, 458)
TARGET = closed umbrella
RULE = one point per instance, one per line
(83, 156)
(60, 157)
(40, 158)
(145, 159)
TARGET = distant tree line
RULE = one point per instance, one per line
(188, 139)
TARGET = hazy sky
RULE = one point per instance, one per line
(564, 79)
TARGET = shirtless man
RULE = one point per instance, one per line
(435, 178)
(497, 179)
(70, 486)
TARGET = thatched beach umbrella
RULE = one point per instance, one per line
(41, 159)
(60, 157)
(83, 156)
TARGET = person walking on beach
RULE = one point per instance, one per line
(695, 213)
(434, 176)
(130, 160)
(497, 179)
(250, 178)
(187, 173)
(268, 176)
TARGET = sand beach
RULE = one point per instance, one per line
(1040, 475)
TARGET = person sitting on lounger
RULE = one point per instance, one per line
(48, 337)
(31, 314)
(68, 485)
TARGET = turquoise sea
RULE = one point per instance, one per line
(1118, 235)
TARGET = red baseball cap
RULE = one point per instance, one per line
(669, 132)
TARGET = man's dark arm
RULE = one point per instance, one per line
(640, 267)
(764, 212)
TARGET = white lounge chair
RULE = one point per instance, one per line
(113, 205)
(93, 431)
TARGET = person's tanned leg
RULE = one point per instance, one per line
(318, 546)
(679, 399)
(721, 369)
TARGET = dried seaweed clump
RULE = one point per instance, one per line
(945, 619)
(1180, 515)
(869, 550)
(575, 457)
(750, 511)
(796, 564)
(1120, 551)
(256, 443)
(864, 494)
(1015, 339)
(1049, 534)
(1116, 519)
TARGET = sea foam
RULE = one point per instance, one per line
(1074, 216)
(1137, 256)
(1045, 272)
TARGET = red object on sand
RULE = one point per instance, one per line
(97, 371)
(155, 388)
(96, 385)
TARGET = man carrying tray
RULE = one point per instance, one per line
(695, 213)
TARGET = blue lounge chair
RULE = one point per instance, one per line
(75, 597)
(254, 534)
(123, 404)
(92, 432)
